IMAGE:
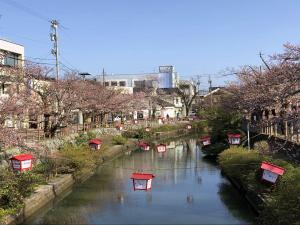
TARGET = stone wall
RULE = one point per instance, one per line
(286, 149)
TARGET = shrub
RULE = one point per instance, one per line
(138, 134)
(119, 140)
(14, 188)
(83, 138)
(80, 159)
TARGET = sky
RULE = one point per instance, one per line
(198, 37)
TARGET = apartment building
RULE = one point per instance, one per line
(11, 55)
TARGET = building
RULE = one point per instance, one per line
(167, 77)
(11, 55)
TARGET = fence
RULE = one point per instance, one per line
(39, 134)
(288, 129)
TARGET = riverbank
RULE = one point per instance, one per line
(276, 204)
(76, 158)
(48, 192)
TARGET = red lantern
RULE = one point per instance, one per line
(189, 127)
(234, 139)
(22, 162)
(95, 144)
(142, 181)
(271, 172)
(206, 140)
(119, 127)
(161, 147)
(143, 145)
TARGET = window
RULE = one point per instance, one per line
(122, 83)
(11, 59)
(106, 84)
(114, 83)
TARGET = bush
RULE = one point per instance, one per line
(119, 140)
(137, 134)
(80, 159)
(83, 138)
(14, 188)
(242, 165)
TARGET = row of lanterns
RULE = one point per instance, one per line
(233, 139)
(270, 173)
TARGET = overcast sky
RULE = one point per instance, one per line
(132, 36)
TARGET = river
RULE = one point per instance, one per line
(187, 189)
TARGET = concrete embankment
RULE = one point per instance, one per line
(45, 194)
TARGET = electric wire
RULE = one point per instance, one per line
(25, 9)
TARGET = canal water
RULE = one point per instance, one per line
(187, 189)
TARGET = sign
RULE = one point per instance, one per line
(269, 176)
(16, 164)
(26, 164)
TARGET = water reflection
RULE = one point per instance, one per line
(184, 183)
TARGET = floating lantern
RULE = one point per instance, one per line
(95, 144)
(206, 140)
(142, 181)
(189, 127)
(143, 145)
(22, 162)
(234, 139)
(161, 147)
(147, 129)
(119, 127)
(271, 172)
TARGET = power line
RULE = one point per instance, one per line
(25, 9)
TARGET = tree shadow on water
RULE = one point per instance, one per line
(236, 204)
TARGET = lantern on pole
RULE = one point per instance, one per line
(271, 172)
(142, 181)
(161, 147)
(143, 145)
(22, 162)
(234, 139)
(95, 144)
(206, 140)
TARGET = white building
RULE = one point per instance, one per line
(165, 78)
(11, 54)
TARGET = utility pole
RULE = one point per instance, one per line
(54, 39)
(103, 77)
(210, 90)
(198, 83)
